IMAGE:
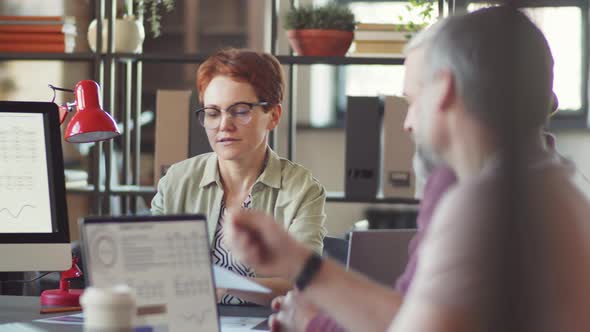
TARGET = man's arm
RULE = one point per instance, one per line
(353, 300)
(427, 317)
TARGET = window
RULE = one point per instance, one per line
(564, 24)
(331, 85)
(373, 80)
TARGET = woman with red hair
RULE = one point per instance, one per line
(241, 93)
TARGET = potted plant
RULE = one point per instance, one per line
(129, 32)
(150, 10)
(320, 31)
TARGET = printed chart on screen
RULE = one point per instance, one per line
(24, 187)
(165, 263)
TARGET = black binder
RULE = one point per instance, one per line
(363, 146)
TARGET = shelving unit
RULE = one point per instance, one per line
(284, 59)
(123, 73)
(47, 56)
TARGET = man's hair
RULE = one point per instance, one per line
(501, 64)
(422, 38)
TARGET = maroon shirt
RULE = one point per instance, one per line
(438, 183)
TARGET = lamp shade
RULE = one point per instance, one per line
(90, 123)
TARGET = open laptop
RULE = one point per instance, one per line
(165, 259)
(381, 255)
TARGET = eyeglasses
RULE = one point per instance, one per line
(240, 112)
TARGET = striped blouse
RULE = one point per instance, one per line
(223, 257)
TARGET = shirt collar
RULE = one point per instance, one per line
(211, 173)
(271, 176)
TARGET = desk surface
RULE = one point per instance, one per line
(26, 309)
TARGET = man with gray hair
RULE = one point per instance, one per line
(509, 247)
(514, 231)
(294, 313)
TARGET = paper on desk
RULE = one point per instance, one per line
(240, 324)
(227, 279)
(78, 319)
(20, 327)
(75, 319)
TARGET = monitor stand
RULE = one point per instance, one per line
(18, 257)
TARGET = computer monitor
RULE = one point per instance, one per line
(34, 232)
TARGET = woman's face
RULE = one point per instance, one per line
(234, 138)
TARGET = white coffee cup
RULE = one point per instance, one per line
(109, 309)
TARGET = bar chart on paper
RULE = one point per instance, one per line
(24, 185)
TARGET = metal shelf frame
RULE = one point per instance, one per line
(123, 72)
(283, 59)
(47, 56)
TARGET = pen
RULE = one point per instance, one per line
(59, 309)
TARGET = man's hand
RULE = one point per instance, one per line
(259, 241)
(293, 313)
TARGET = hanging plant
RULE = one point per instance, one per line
(151, 11)
(424, 9)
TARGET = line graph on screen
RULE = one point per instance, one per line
(15, 215)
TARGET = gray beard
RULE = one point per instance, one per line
(425, 162)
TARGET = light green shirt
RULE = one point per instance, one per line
(285, 190)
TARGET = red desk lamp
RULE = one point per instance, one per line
(64, 296)
(89, 124)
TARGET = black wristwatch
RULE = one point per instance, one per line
(309, 271)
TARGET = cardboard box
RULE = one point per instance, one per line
(172, 129)
(397, 179)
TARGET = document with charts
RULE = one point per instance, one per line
(167, 263)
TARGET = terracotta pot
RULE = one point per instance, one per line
(315, 42)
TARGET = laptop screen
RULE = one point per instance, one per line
(166, 260)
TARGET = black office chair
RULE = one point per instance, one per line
(336, 248)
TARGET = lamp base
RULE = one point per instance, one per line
(64, 296)
(61, 298)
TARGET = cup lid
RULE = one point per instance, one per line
(120, 295)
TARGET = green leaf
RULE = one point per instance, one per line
(330, 16)
(150, 10)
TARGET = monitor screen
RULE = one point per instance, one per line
(25, 203)
(34, 228)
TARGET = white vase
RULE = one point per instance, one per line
(129, 35)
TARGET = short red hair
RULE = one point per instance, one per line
(261, 70)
